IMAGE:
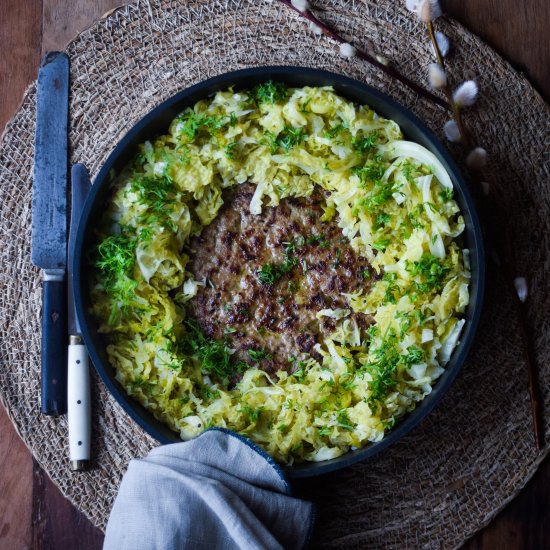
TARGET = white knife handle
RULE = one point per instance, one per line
(78, 404)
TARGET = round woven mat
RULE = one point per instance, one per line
(455, 471)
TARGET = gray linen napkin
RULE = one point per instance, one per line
(216, 491)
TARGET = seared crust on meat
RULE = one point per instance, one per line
(278, 318)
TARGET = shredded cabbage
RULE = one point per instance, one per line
(391, 198)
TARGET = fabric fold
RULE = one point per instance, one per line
(217, 491)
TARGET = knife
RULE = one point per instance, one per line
(49, 223)
(78, 377)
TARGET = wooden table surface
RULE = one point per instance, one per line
(33, 513)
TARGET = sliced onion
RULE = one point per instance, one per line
(418, 371)
(399, 197)
(422, 155)
(437, 247)
(337, 314)
(427, 335)
(256, 202)
(450, 343)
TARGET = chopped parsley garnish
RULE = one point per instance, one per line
(304, 105)
(299, 371)
(229, 149)
(318, 240)
(372, 331)
(446, 194)
(414, 217)
(381, 220)
(385, 361)
(214, 355)
(155, 192)
(414, 356)
(294, 244)
(193, 123)
(382, 368)
(348, 383)
(344, 422)
(258, 355)
(365, 143)
(208, 393)
(270, 92)
(158, 194)
(372, 170)
(291, 137)
(116, 258)
(271, 274)
(392, 290)
(407, 169)
(381, 244)
(431, 270)
(405, 322)
(381, 192)
(252, 413)
(420, 317)
(333, 132)
(288, 138)
(336, 261)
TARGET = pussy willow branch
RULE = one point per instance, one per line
(457, 115)
(365, 56)
(496, 238)
(531, 370)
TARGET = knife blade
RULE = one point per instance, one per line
(49, 223)
(78, 376)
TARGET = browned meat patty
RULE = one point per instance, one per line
(268, 275)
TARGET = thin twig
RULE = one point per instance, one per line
(496, 237)
(388, 69)
(531, 370)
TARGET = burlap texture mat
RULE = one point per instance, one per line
(454, 472)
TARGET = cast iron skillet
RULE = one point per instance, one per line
(157, 122)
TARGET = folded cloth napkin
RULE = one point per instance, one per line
(216, 491)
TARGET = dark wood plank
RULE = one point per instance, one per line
(517, 30)
(56, 523)
(525, 523)
(63, 21)
(20, 36)
(15, 487)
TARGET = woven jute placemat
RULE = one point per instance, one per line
(455, 471)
